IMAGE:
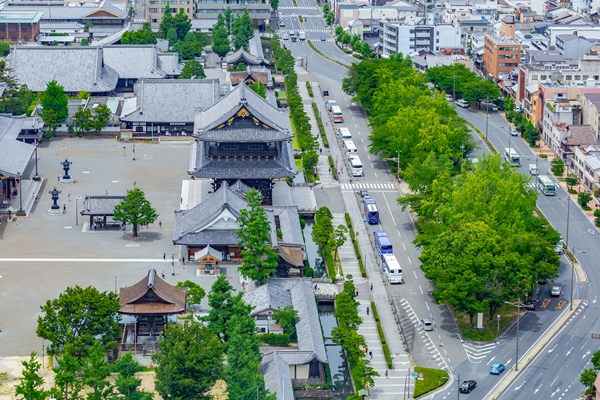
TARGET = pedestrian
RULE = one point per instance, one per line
(183, 260)
(371, 354)
(371, 286)
(94, 226)
(160, 224)
(367, 310)
(69, 196)
(164, 256)
(320, 150)
(322, 189)
(181, 202)
(310, 186)
(107, 192)
(163, 274)
(351, 181)
(366, 350)
(64, 207)
(316, 287)
(386, 374)
(330, 173)
(356, 294)
(58, 177)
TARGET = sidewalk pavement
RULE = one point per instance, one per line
(398, 380)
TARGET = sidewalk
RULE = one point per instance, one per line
(393, 387)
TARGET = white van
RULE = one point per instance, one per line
(357, 168)
(533, 169)
(350, 147)
(345, 133)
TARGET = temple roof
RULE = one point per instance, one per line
(242, 55)
(152, 295)
(100, 205)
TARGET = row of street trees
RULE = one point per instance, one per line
(360, 47)
(328, 239)
(482, 243)
(466, 84)
(85, 119)
(240, 27)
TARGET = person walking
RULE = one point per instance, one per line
(366, 350)
(371, 286)
(183, 260)
(386, 374)
(163, 274)
(371, 354)
(160, 224)
(367, 310)
(322, 189)
(164, 256)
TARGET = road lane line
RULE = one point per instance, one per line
(414, 272)
(399, 233)
(421, 289)
(403, 246)
(426, 303)
(410, 262)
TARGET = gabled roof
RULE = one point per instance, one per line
(75, 68)
(190, 224)
(14, 154)
(172, 100)
(152, 295)
(277, 376)
(72, 12)
(169, 62)
(243, 56)
(270, 123)
(133, 61)
(100, 205)
(279, 293)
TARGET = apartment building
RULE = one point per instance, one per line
(397, 38)
(470, 26)
(585, 163)
(259, 10)
(500, 55)
(370, 16)
(155, 9)
(590, 111)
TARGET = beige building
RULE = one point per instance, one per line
(155, 9)
(590, 108)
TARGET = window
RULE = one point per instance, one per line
(534, 77)
(569, 77)
(585, 77)
(543, 77)
(577, 77)
(596, 77)
(437, 40)
(153, 10)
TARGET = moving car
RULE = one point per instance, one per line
(532, 304)
(560, 248)
(467, 386)
(285, 36)
(323, 38)
(449, 97)
(555, 291)
(514, 132)
(462, 103)
(496, 368)
(427, 324)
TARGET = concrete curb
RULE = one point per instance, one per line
(535, 350)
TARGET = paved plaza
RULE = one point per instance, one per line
(41, 255)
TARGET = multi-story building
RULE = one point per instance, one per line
(572, 46)
(20, 27)
(470, 26)
(558, 116)
(395, 37)
(590, 110)
(370, 16)
(259, 10)
(155, 9)
(500, 55)
(585, 162)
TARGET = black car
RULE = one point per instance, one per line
(467, 386)
(532, 305)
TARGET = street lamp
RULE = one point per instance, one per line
(462, 148)
(487, 113)
(20, 211)
(407, 384)
(518, 304)
(77, 210)
(398, 159)
(133, 151)
(36, 177)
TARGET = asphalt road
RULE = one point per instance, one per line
(444, 346)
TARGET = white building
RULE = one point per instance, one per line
(414, 35)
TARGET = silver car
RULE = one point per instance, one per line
(555, 291)
(427, 324)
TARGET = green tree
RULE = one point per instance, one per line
(194, 294)
(100, 117)
(182, 24)
(192, 69)
(221, 302)
(339, 31)
(140, 36)
(84, 94)
(31, 386)
(323, 229)
(55, 99)
(135, 209)
(587, 379)
(243, 30)
(172, 36)
(126, 383)
(50, 120)
(87, 26)
(220, 41)
(330, 18)
(167, 22)
(4, 48)
(96, 372)
(583, 199)
(259, 89)
(365, 50)
(189, 361)
(274, 4)
(84, 42)
(596, 360)
(338, 239)
(228, 20)
(557, 166)
(80, 317)
(597, 215)
(82, 120)
(67, 383)
(16, 98)
(259, 259)
(287, 318)
(571, 180)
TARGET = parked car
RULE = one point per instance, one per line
(513, 131)
(449, 98)
(555, 291)
(462, 103)
(467, 386)
(427, 324)
(532, 304)
(559, 248)
(496, 368)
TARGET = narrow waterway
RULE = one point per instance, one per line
(337, 362)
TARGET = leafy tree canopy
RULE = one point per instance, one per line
(192, 69)
(140, 36)
(135, 210)
(31, 386)
(55, 99)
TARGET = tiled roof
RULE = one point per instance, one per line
(208, 251)
(133, 61)
(172, 100)
(168, 299)
(72, 11)
(291, 232)
(169, 62)
(277, 376)
(279, 293)
(580, 135)
(243, 56)
(75, 68)
(14, 154)
(100, 205)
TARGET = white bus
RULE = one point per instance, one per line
(357, 168)
(345, 133)
(350, 148)
(391, 268)
(337, 114)
(546, 185)
(510, 155)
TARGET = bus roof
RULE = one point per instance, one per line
(355, 161)
(391, 261)
(349, 144)
(371, 207)
(380, 234)
(336, 109)
(545, 180)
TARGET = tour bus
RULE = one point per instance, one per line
(356, 164)
(546, 185)
(382, 243)
(510, 155)
(350, 148)
(337, 114)
(345, 133)
(391, 268)
(371, 211)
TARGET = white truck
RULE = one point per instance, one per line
(302, 35)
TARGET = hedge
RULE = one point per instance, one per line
(361, 264)
(332, 166)
(320, 124)
(309, 88)
(275, 339)
(386, 349)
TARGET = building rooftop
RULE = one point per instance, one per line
(14, 154)
(20, 16)
(134, 61)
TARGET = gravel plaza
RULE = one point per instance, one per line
(41, 255)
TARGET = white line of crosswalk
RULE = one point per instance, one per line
(299, 8)
(346, 186)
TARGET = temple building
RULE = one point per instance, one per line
(243, 137)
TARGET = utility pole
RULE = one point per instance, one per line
(458, 388)
(518, 304)
(568, 207)
(572, 276)
(454, 90)
(487, 113)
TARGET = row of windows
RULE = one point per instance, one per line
(509, 48)
(508, 56)
(220, 10)
(508, 64)
(567, 77)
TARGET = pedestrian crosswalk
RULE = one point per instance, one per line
(299, 8)
(361, 185)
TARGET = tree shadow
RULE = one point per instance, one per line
(144, 237)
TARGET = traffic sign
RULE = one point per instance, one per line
(414, 374)
(498, 318)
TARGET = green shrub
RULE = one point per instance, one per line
(361, 264)
(543, 155)
(309, 88)
(275, 339)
